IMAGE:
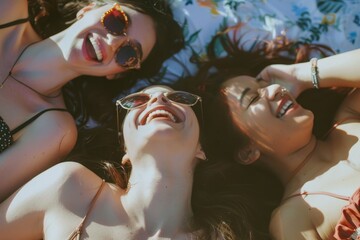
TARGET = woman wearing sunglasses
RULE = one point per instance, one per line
(107, 38)
(165, 188)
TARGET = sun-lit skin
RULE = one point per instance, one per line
(141, 29)
(157, 203)
(255, 112)
(161, 134)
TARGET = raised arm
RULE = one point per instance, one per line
(341, 70)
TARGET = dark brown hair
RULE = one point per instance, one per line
(49, 17)
(229, 200)
(249, 192)
(91, 98)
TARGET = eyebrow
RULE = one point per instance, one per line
(241, 98)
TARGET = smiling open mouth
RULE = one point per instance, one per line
(160, 114)
(284, 107)
(93, 49)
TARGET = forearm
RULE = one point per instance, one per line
(341, 70)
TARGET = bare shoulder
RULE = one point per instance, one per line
(60, 118)
(56, 180)
(66, 125)
(56, 129)
(289, 222)
(58, 187)
(72, 175)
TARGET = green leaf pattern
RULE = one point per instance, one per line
(335, 23)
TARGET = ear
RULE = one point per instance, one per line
(125, 159)
(200, 154)
(85, 9)
(248, 155)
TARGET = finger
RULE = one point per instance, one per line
(259, 78)
(261, 81)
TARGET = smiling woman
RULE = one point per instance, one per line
(140, 99)
(165, 194)
(279, 131)
(129, 54)
(101, 39)
(261, 123)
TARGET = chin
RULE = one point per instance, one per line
(160, 131)
(305, 119)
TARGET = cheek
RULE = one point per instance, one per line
(147, 47)
(253, 122)
(240, 119)
(145, 34)
(193, 127)
(128, 127)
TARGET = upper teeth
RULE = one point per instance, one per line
(98, 53)
(162, 113)
(284, 108)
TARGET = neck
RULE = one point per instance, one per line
(39, 63)
(289, 168)
(159, 197)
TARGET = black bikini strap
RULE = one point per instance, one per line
(13, 23)
(33, 118)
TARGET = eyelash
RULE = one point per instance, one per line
(255, 98)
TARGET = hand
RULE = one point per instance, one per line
(284, 75)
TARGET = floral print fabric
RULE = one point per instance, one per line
(348, 227)
(335, 23)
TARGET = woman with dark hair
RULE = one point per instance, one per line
(165, 189)
(266, 128)
(98, 38)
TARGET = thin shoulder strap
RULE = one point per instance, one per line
(341, 197)
(33, 118)
(13, 23)
(77, 232)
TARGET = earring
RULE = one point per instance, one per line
(248, 156)
(283, 92)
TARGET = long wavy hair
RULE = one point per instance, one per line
(248, 193)
(226, 203)
(239, 61)
(229, 200)
(49, 17)
(90, 98)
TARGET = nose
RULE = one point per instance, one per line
(273, 92)
(116, 41)
(158, 98)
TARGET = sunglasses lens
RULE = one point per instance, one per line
(134, 101)
(182, 97)
(115, 21)
(127, 56)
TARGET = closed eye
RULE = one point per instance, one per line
(254, 98)
(248, 97)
